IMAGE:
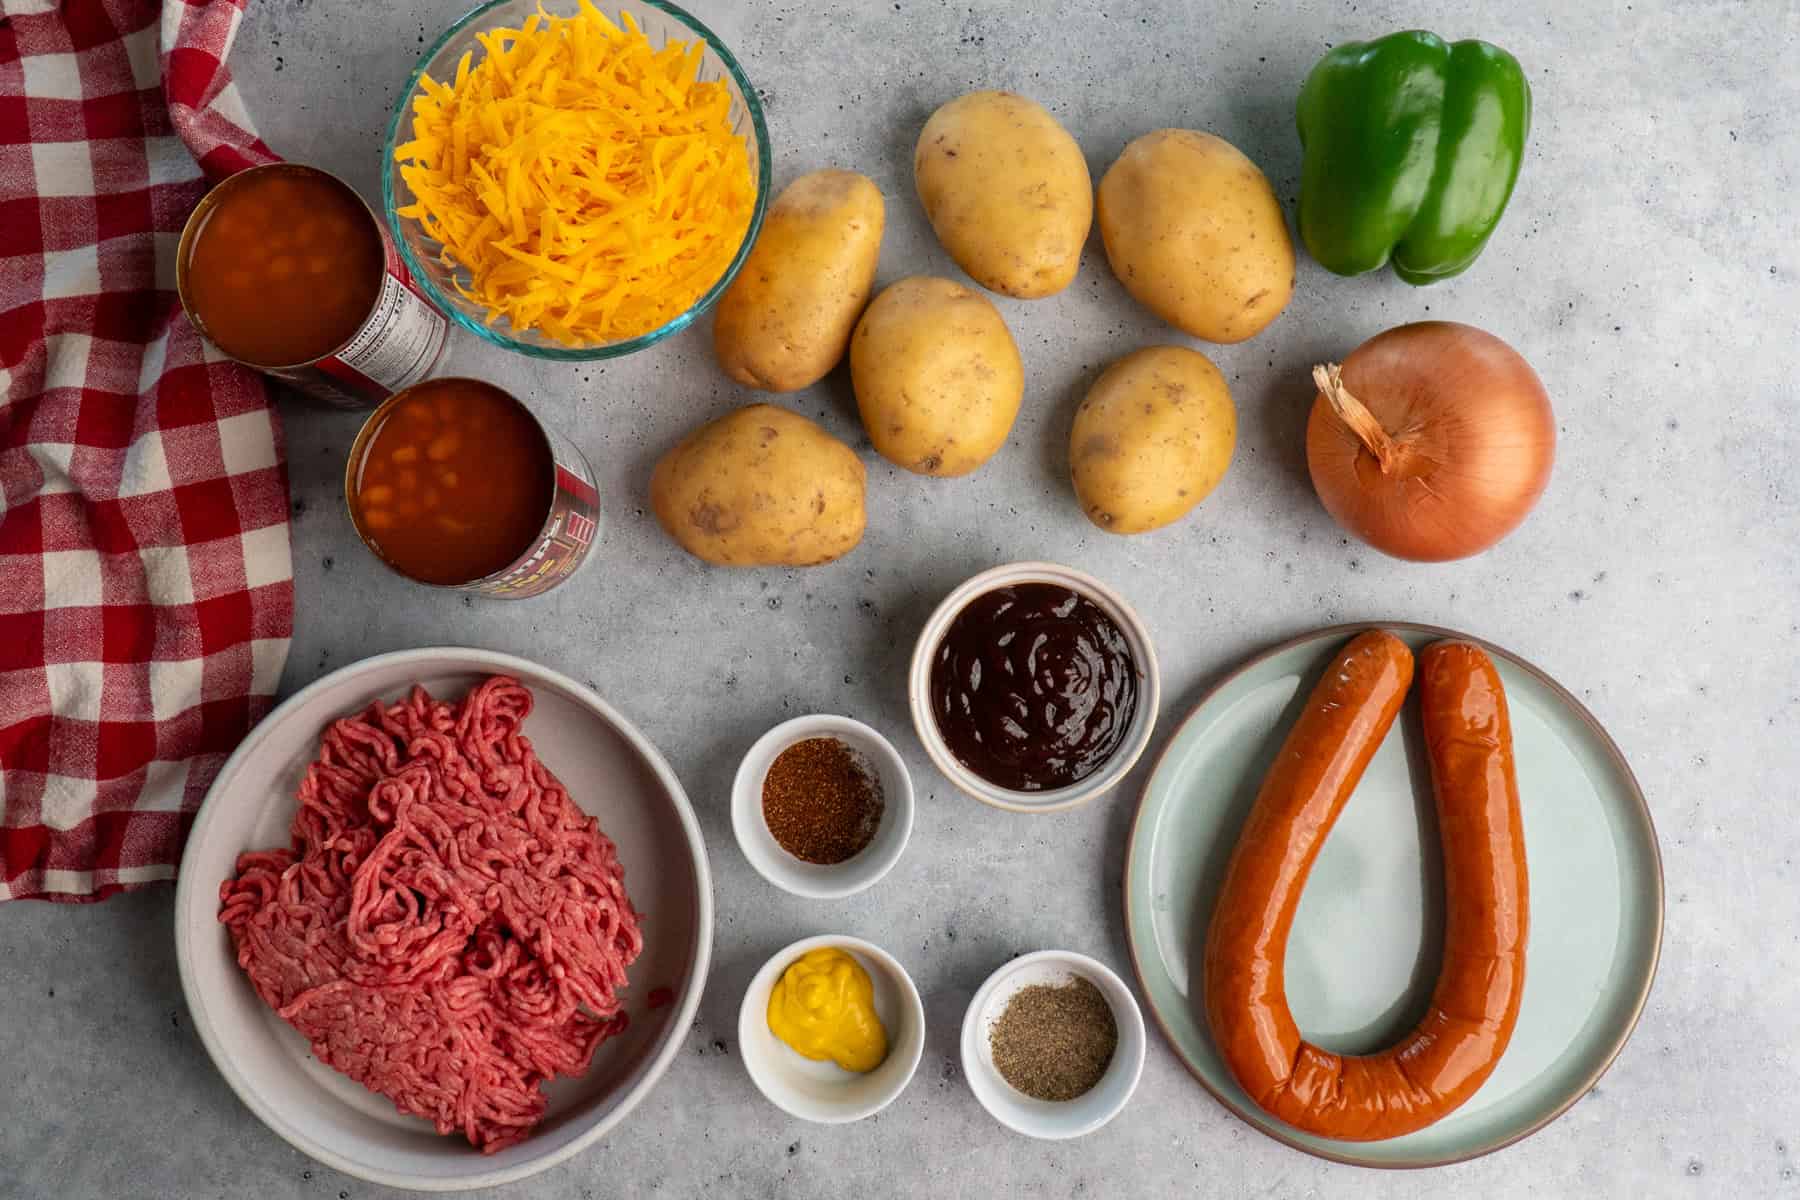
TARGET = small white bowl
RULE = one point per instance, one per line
(821, 881)
(1143, 719)
(823, 1091)
(1053, 1119)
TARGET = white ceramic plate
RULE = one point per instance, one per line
(610, 769)
(1364, 952)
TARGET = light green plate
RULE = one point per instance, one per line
(1364, 951)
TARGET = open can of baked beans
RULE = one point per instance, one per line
(284, 268)
(455, 483)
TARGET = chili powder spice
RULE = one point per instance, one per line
(1054, 1042)
(820, 803)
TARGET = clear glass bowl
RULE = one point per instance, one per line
(660, 22)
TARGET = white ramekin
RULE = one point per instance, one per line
(823, 1091)
(1143, 720)
(822, 881)
(1052, 1118)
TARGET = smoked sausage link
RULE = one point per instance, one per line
(1475, 1005)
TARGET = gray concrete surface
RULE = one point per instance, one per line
(1648, 268)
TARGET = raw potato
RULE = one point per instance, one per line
(1194, 232)
(785, 320)
(1007, 190)
(1152, 437)
(937, 376)
(761, 487)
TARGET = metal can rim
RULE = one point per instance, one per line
(359, 445)
(213, 198)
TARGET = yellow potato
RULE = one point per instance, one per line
(1007, 190)
(761, 487)
(938, 379)
(1152, 437)
(785, 320)
(1194, 232)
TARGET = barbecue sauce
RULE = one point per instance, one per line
(1033, 687)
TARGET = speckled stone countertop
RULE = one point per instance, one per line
(1647, 267)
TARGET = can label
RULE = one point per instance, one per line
(569, 534)
(394, 348)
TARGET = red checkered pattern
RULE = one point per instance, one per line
(146, 594)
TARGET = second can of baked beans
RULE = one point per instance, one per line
(284, 268)
(454, 483)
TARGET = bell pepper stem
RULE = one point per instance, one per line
(1353, 413)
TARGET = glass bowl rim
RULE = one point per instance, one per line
(444, 304)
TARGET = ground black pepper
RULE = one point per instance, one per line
(820, 803)
(1054, 1042)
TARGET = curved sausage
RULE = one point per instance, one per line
(1440, 1064)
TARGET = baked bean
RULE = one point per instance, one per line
(409, 480)
(378, 518)
(228, 223)
(381, 493)
(448, 478)
(443, 446)
(452, 525)
(281, 266)
(405, 454)
(408, 508)
(318, 264)
(430, 497)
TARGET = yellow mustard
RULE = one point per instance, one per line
(824, 1007)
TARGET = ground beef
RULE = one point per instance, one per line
(447, 928)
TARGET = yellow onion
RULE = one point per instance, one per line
(1431, 442)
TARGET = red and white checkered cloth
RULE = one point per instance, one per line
(146, 592)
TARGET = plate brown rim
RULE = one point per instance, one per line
(1606, 741)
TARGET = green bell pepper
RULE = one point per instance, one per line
(1411, 146)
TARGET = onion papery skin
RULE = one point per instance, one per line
(1474, 441)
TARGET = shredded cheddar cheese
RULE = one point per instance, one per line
(591, 184)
